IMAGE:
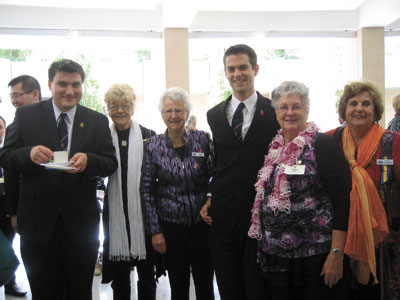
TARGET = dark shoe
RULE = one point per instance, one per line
(14, 290)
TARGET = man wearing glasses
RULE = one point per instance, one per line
(25, 89)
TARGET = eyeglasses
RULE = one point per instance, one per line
(124, 107)
(178, 112)
(18, 95)
(285, 108)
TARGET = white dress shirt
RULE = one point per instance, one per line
(248, 111)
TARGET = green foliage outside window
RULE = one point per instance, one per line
(90, 96)
(280, 53)
(90, 89)
(225, 90)
(338, 95)
(15, 54)
(143, 55)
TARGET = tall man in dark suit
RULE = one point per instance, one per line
(242, 127)
(58, 217)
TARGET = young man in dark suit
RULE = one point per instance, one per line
(242, 127)
(58, 217)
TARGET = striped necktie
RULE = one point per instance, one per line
(63, 132)
(237, 121)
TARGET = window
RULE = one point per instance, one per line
(106, 60)
(323, 64)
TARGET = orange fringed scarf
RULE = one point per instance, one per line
(367, 219)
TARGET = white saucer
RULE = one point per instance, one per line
(58, 165)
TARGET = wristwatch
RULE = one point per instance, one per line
(337, 251)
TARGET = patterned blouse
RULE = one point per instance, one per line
(173, 188)
(319, 203)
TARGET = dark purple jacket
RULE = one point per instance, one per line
(174, 190)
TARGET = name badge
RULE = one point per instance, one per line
(295, 170)
(198, 154)
(384, 162)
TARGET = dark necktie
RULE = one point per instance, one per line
(237, 121)
(63, 132)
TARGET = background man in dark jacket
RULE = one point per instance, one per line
(24, 90)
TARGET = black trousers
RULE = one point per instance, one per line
(364, 292)
(5, 221)
(304, 282)
(234, 256)
(63, 269)
(369, 291)
(5, 226)
(187, 247)
(146, 284)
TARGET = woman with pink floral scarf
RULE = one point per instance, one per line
(301, 209)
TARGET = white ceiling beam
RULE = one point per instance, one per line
(273, 34)
(378, 13)
(73, 18)
(258, 21)
(178, 13)
(197, 16)
(281, 5)
(91, 4)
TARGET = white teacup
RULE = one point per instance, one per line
(60, 156)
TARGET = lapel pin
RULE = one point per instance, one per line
(82, 124)
(261, 112)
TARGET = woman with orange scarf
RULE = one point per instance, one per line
(373, 153)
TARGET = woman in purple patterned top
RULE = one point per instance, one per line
(301, 209)
(175, 177)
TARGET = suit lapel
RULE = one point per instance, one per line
(50, 124)
(78, 129)
(223, 121)
(258, 119)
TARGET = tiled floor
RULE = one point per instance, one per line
(100, 291)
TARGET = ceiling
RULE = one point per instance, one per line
(199, 16)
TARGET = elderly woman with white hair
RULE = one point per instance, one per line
(125, 242)
(175, 177)
(192, 123)
(301, 210)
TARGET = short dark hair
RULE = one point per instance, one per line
(29, 84)
(242, 49)
(65, 65)
(4, 121)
